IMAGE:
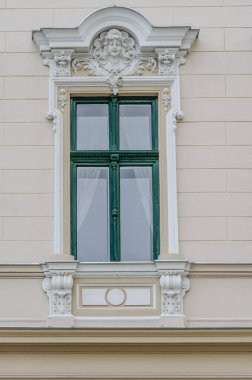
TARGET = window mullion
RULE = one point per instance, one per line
(114, 208)
(113, 124)
(156, 216)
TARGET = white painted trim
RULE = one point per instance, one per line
(176, 321)
(164, 46)
(219, 323)
(143, 81)
(130, 322)
(23, 322)
(146, 35)
(108, 284)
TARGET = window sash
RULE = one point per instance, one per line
(114, 159)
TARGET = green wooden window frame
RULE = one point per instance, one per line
(114, 158)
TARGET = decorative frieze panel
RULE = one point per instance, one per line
(117, 297)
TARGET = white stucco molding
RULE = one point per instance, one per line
(148, 36)
(58, 283)
(173, 283)
(152, 56)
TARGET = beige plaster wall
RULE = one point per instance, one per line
(214, 153)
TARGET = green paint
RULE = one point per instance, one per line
(115, 158)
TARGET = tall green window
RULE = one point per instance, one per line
(114, 179)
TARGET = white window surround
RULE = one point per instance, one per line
(154, 59)
(164, 47)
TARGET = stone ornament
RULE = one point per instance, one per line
(173, 287)
(113, 55)
(58, 284)
(166, 98)
(59, 291)
(168, 61)
(62, 99)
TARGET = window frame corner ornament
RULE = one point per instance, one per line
(62, 99)
(166, 98)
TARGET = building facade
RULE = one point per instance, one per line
(125, 184)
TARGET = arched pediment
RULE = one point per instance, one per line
(147, 36)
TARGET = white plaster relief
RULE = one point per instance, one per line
(177, 116)
(126, 296)
(59, 62)
(114, 55)
(173, 287)
(166, 98)
(58, 286)
(62, 61)
(52, 116)
(173, 284)
(62, 99)
(169, 60)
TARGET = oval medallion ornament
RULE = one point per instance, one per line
(115, 296)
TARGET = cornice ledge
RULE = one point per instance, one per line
(148, 36)
(126, 340)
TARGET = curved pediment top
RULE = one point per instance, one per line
(147, 36)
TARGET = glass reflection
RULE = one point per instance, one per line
(135, 127)
(92, 127)
(92, 214)
(136, 213)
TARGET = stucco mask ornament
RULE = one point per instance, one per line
(113, 55)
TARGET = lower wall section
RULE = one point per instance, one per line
(125, 354)
(115, 296)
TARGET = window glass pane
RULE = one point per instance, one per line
(92, 214)
(135, 126)
(92, 127)
(136, 213)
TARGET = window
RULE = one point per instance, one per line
(114, 179)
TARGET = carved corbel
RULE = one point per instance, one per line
(168, 61)
(173, 287)
(62, 62)
(58, 285)
(59, 62)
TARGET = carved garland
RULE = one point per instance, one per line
(114, 55)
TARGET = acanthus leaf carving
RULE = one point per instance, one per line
(168, 61)
(62, 99)
(173, 287)
(62, 62)
(166, 98)
(58, 285)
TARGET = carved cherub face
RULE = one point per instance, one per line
(114, 47)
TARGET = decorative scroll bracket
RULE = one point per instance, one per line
(173, 285)
(58, 285)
